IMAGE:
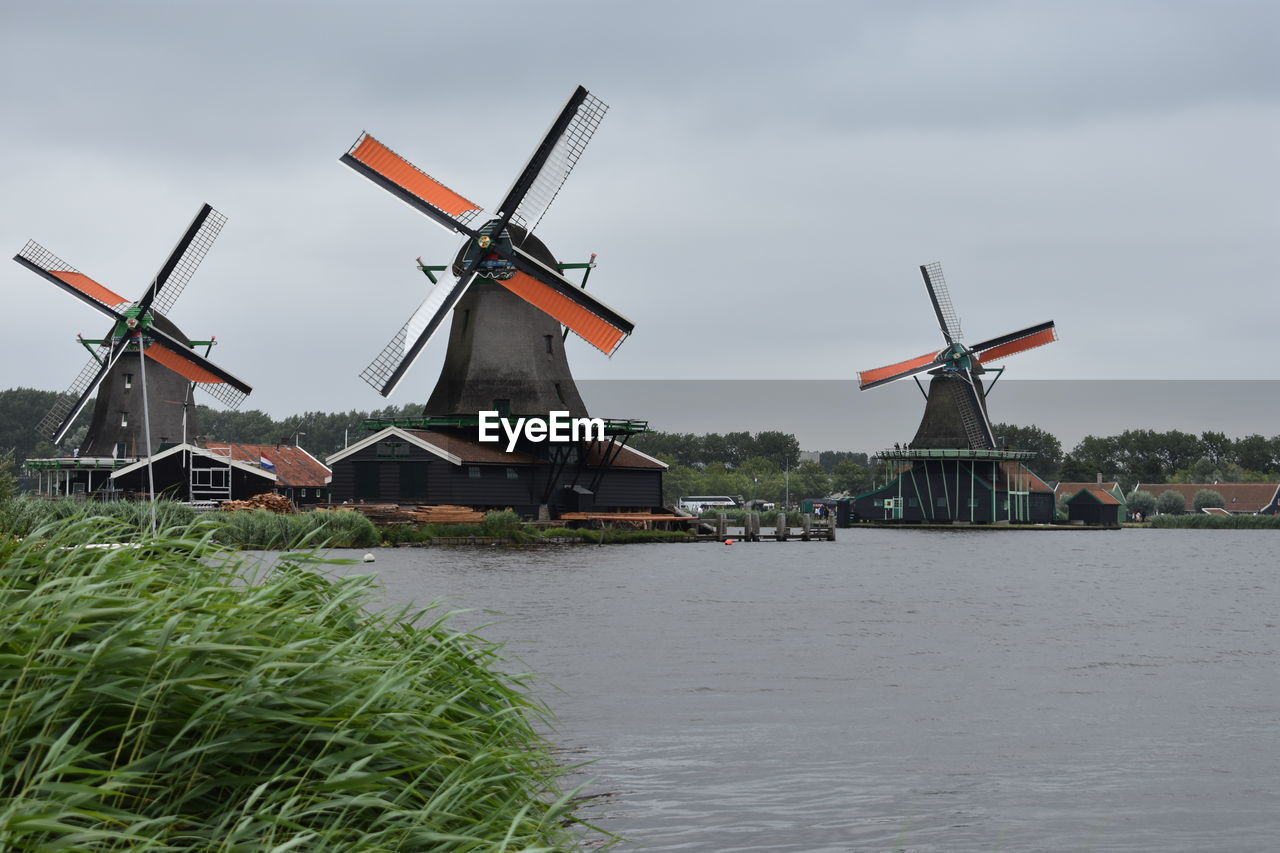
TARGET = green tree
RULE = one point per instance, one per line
(1047, 448)
(1256, 453)
(781, 447)
(848, 476)
(1206, 498)
(1142, 503)
(1171, 503)
(808, 480)
(8, 482)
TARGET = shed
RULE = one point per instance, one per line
(1094, 505)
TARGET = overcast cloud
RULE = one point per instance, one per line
(767, 180)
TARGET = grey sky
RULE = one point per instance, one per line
(767, 180)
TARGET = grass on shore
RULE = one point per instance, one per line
(160, 698)
(1204, 521)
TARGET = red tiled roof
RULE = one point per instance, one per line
(293, 465)
(1013, 478)
(1072, 488)
(1102, 495)
(1237, 497)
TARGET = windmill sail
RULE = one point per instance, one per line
(410, 184)
(579, 311)
(385, 372)
(46, 264)
(1016, 342)
(538, 184)
(936, 284)
(69, 403)
(901, 370)
(184, 260)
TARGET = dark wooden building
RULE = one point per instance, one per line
(433, 467)
(941, 486)
(1094, 506)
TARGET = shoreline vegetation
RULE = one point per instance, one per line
(258, 529)
(176, 695)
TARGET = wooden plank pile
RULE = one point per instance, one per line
(394, 514)
(445, 514)
(278, 504)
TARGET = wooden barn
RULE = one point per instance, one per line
(430, 467)
(941, 486)
(1094, 505)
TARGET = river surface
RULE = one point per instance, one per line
(899, 690)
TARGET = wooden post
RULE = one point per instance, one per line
(806, 527)
(781, 530)
(722, 527)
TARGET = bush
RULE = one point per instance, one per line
(1142, 503)
(1206, 498)
(1171, 502)
(163, 697)
(1202, 521)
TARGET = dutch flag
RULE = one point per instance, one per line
(266, 463)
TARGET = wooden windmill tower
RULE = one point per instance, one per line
(125, 403)
(954, 469)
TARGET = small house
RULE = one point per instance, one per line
(1094, 506)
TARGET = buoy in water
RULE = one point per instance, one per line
(368, 558)
(728, 541)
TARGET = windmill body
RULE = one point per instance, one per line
(954, 469)
(504, 353)
(510, 309)
(130, 394)
(116, 425)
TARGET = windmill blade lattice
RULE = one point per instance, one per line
(189, 252)
(552, 161)
(61, 411)
(936, 284)
(392, 364)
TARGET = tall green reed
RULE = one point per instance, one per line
(163, 697)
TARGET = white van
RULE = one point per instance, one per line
(697, 503)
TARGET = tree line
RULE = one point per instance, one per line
(764, 465)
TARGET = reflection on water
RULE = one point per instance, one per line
(924, 691)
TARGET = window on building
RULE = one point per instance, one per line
(546, 341)
(124, 419)
(473, 471)
(513, 474)
(128, 380)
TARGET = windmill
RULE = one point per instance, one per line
(954, 442)
(511, 309)
(119, 426)
(504, 289)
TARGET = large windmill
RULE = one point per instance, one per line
(504, 289)
(511, 308)
(954, 453)
(138, 328)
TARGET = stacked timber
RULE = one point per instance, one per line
(447, 515)
(278, 504)
(395, 514)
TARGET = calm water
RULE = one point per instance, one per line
(944, 691)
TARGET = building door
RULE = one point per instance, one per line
(413, 482)
(365, 481)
